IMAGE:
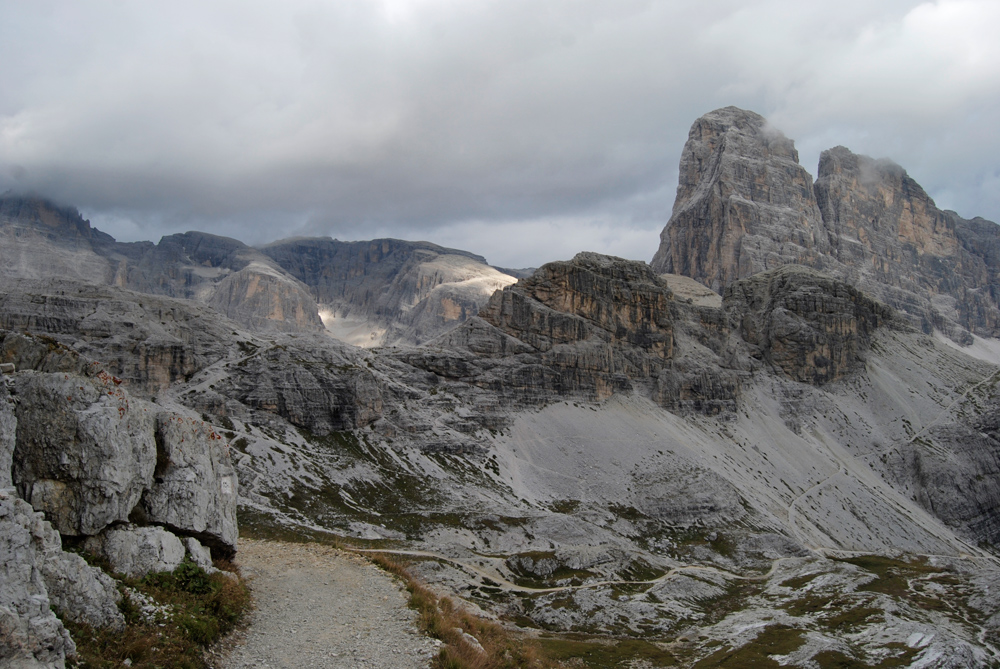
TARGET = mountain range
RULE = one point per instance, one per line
(782, 433)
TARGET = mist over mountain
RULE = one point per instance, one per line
(777, 440)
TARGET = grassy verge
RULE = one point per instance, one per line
(197, 608)
(441, 619)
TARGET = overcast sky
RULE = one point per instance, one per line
(524, 130)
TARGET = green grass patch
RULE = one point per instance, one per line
(202, 608)
(606, 653)
(773, 640)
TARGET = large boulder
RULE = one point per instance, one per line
(194, 489)
(85, 449)
(30, 633)
(137, 551)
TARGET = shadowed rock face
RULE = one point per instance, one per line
(744, 205)
(812, 327)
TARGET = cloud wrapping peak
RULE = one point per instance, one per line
(471, 121)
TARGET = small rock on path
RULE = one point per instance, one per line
(317, 606)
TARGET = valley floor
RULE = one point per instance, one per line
(317, 606)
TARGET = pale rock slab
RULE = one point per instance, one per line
(85, 450)
(30, 633)
(137, 551)
(194, 491)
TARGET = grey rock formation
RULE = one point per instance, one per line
(199, 554)
(744, 204)
(30, 633)
(387, 290)
(313, 383)
(905, 251)
(812, 327)
(137, 551)
(149, 341)
(194, 488)
(45, 241)
(8, 436)
(78, 591)
(587, 326)
(85, 449)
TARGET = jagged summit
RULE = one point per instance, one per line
(744, 205)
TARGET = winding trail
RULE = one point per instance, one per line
(510, 586)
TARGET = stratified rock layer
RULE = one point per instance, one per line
(812, 327)
(744, 205)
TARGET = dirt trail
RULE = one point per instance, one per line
(321, 607)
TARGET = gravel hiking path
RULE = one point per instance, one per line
(317, 606)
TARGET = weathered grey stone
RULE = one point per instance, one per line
(744, 204)
(137, 551)
(8, 436)
(85, 449)
(78, 591)
(199, 554)
(194, 490)
(30, 634)
(812, 327)
(388, 290)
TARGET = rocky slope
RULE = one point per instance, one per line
(46, 242)
(744, 204)
(386, 290)
(365, 293)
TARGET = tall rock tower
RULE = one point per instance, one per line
(744, 204)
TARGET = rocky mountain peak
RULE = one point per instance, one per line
(744, 204)
(45, 215)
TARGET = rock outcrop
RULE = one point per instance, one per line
(85, 450)
(194, 488)
(30, 633)
(388, 291)
(812, 327)
(136, 551)
(588, 326)
(902, 249)
(745, 205)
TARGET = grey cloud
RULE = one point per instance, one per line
(556, 124)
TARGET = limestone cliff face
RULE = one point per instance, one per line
(388, 290)
(588, 326)
(42, 240)
(261, 298)
(900, 247)
(812, 327)
(744, 204)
